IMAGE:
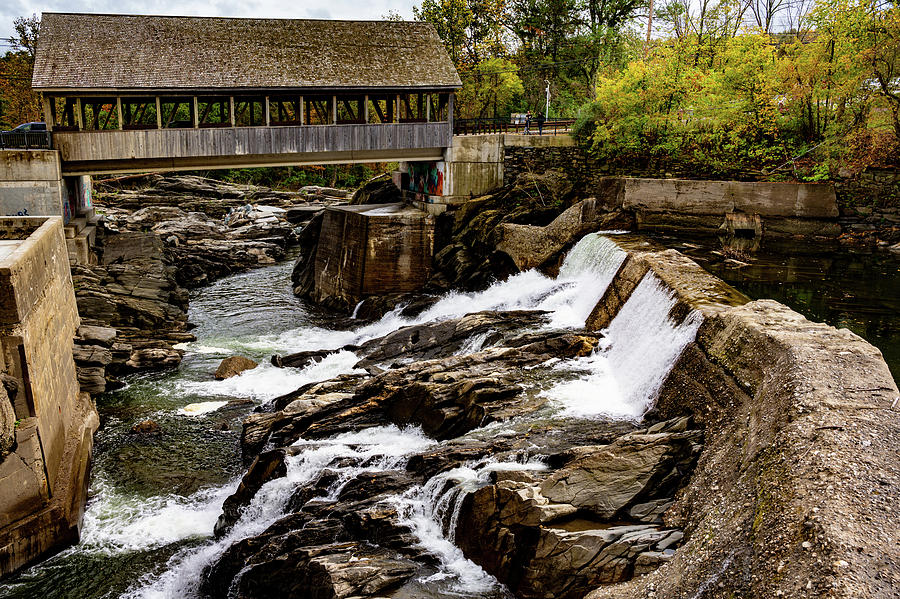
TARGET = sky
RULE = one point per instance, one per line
(305, 9)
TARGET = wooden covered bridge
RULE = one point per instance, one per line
(138, 93)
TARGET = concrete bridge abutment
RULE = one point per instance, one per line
(32, 184)
(473, 166)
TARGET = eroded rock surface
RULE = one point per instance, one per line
(539, 526)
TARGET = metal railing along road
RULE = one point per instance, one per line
(31, 140)
(480, 126)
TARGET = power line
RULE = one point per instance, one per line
(537, 67)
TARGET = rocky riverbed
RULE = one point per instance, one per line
(160, 237)
(479, 440)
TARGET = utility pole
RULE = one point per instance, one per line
(547, 109)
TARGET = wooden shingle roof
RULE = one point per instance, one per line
(94, 52)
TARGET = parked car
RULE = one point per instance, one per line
(28, 136)
(30, 127)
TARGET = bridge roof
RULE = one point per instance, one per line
(121, 53)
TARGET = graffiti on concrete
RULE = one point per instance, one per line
(426, 178)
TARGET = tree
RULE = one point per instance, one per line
(18, 102)
(489, 89)
(26, 38)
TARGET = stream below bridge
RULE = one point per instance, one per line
(154, 499)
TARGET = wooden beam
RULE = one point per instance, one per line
(266, 111)
(158, 113)
(194, 116)
(377, 105)
(49, 111)
(334, 110)
(450, 117)
(302, 110)
(366, 109)
(427, 108)
(118, 112)
(206, 112)
(231, 111)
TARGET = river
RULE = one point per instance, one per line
(154, 499)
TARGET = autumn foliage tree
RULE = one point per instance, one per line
(792, 103)
(18, 102)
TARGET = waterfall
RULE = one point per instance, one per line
(375, 449)
(619, 380)
(431, 511)
(622, 378)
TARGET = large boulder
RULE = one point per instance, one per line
(233, 366)
(561, 534)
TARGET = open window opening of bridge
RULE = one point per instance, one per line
(132, 113)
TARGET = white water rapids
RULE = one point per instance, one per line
(620, 380)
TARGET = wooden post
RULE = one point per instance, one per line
(119, 110)
(366, 109)
(231, 111)
(195, 116)
(334, 110)
(302, 110)
(427, 107)
(397, 110)
(450, 116)
(158, 113)
(266, 110)
(79, 114)
(49, 112)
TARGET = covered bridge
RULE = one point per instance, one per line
(125, 93)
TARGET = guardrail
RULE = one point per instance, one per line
(32, 140)
(480, 126)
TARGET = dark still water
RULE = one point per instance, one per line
(853, 288)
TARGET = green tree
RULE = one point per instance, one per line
(489, 89)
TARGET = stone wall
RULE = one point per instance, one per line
(869, 201)
(792, 494)
(42, 483)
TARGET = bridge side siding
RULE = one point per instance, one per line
(101, 146)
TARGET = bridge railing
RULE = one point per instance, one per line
(31, 140)
(482, 126)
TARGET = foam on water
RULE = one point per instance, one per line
(203, 407)
(371, 450)
(622, 378)
(115, 523)
(267, 382)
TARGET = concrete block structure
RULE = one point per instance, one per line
(372, 250)
(31, 184)
(473, 165)
(46, 422)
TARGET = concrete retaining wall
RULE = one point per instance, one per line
(31, 184)
(44, 480)
(792, 494)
